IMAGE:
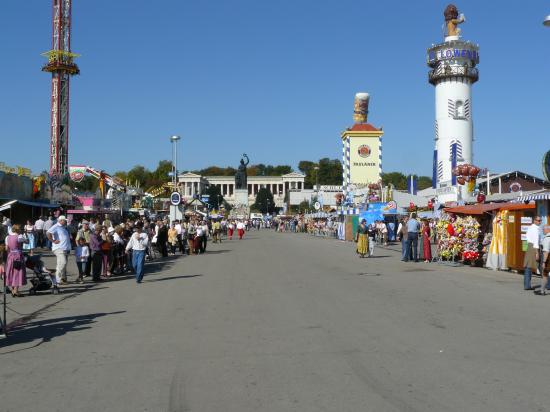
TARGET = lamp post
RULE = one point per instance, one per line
(174, 139)
(268, 202)
(316, 168)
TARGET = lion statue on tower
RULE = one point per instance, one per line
(452, 20)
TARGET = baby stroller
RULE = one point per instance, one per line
(42, 278)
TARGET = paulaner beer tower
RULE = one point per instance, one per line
(361, 150)
(61, 66)
(453, 72)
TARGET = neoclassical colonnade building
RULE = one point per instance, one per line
(191, 184)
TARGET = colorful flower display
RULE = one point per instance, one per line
(458, 237)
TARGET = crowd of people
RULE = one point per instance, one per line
(102, 248)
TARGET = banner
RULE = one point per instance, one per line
(376, 211)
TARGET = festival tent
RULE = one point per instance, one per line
(19, 209)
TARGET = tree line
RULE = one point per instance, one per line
(325, 171)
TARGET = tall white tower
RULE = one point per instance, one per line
(453, 72)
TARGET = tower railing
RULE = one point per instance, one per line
(450, 72)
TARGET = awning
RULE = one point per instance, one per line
(9, 204)
(535, 196)
(355, 211)
(480, 209)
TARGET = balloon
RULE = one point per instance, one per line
(450, 229)
(456, 171)
(460, 180)
(467, 178)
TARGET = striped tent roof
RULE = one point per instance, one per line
(534, 196)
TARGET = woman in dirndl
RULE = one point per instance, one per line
(29, 233)
(16, 274)
(362, 239)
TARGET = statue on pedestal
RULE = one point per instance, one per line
(452, 20)
(241, 177)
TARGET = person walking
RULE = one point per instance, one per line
(30, 235)
(230, 230)
(162, 238)
(426, 243)
(402, 235)
(371, 232)
(179, 236)
(413, 227)
(173, 238)
(191, 233)
(137, 244)
(204, 239)
(16, 273)
(47, 226)
(216, 232)
(85, 233)
(97, 255)
(240, 229)
(106, 246)
(532, 253)
(82, 254)
(362, 239)
(545, 261)
(59, 238)
(39, 231)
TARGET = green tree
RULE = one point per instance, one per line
(215, 197)
(424, 182)
(264, 201)
(330, 172)
(122, 175)
(398, 179)
(87, 184)
(139, 174)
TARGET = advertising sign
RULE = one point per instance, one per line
(364, 160)
(376, 211)
(77, 173)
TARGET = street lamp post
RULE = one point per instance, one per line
(316, 168)
(174, 139)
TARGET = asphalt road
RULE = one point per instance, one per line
(284, 322)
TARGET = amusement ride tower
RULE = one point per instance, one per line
(453, 72)
(61, 66)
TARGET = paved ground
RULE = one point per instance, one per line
(284, 322)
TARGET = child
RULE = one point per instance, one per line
(82, 254)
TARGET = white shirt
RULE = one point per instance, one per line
(138, 242)
(178, 228)
(117, 238)
(39, 224)
(240, 225)
(533, 236)
(59, 232)
(546, 243)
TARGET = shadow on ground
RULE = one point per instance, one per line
(145, 280)
(42, 331)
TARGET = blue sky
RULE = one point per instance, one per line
(273, 79)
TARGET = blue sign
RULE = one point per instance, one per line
(376, 211)
(175, 198)
(447, 54)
